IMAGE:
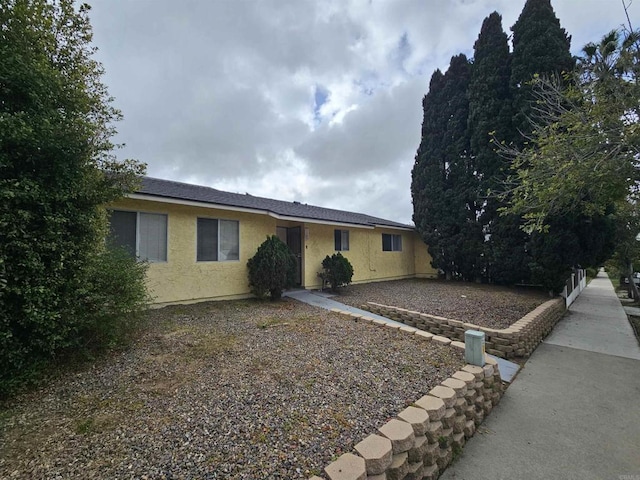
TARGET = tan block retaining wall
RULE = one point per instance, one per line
(519, 340)
(424, 438)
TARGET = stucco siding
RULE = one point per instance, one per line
(181, 278)
(391, 265)
(320, 243)
(423, 266)
(369, 261)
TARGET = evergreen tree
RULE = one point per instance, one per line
(577, 178)
(490, 116)
(427, 175)
(489, 99)
(443, 184)
(570, 240)
(540, 47)
(457, 169)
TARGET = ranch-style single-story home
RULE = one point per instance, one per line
(197, 240)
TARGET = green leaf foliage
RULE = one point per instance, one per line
(570, 241)
(337, 270)
(444, 187)
(272, 269)
(474, 201)
(580, 173)
(112, 303)
(504, 255)
(541, 47)
(583, 160)
(56, 174)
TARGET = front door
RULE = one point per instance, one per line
(294, 242)
(292, 236)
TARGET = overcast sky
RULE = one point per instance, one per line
(307, 100)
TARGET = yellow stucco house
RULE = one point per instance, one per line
(198, 240)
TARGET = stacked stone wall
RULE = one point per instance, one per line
(425, 437)
(519, 340)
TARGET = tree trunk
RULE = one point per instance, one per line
(633, 288)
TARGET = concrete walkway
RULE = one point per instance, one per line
(323, 300)
(574, 410)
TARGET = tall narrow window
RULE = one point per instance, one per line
(144, 235)
(207, 240)
(218, 240)
(341, 240)
(229, 240)
(122, 230)
(152, 237)
(391, 243)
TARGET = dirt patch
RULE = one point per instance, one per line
(484, 305)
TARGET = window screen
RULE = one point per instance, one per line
(218, 240)
(229, 240)
(341, 240)
(207, 240)
(122, 230)
(152, 242)
(144, 235)
(391, 243)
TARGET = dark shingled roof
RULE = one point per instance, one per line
(196, 193)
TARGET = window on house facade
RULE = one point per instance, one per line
(341, 238)
(143, 235)
(217, 240)
(391, 243)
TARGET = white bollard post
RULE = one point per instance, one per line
(474, 347)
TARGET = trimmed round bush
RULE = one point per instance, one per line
(337, 270)
(272, 269)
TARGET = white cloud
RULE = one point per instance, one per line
(223, 93)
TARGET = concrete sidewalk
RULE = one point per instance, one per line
(573, 412)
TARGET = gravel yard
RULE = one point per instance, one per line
(484, 305)
(242, 390)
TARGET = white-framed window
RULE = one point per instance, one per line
(341, 240)
(144, 235)
(391, 243)
(217, 240)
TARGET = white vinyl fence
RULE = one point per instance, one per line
(574, 285)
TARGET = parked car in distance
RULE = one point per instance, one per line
(635, 276)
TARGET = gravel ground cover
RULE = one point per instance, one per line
(241, 390)
(484, 305)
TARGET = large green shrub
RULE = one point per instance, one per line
(337, 271)
(114, 299)
(271, 269)
(56, 175)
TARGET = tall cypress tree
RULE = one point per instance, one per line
(490, 115)
(457, 166)
(489, 97)
(540, 47)
(428, 175)
(443, 188)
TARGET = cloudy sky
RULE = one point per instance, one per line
(308, 100)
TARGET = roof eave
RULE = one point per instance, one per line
(195, 203)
